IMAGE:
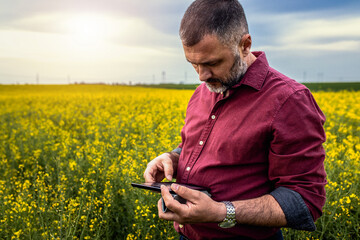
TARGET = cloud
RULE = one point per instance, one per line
(280, 6)
(163, 15)
(138, 39)
(306, 32)
(299, 47)
(128, 31)
(152, 23)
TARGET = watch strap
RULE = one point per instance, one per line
(230, 219)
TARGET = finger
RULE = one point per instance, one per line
(172, 204)
(149, 175)
(186, 193)
(168, 199)
(165, 193)
(169, 216)
(168, 169)
(154, 171)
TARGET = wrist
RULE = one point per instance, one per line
(175, 155)
(177, 150)
(221, 212)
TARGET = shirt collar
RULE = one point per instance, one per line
(256, 73)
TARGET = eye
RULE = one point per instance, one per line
(212, 64)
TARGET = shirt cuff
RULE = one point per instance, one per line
(296, 212)
(177, 150)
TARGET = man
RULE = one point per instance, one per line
(251, 135)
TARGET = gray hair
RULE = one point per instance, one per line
(224, 18)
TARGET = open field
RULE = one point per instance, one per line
(334, 87)
(326, 86)
(69, 153)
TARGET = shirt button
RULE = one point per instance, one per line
(181, 226)
(201, 142)
(188, 169)
(213, 117)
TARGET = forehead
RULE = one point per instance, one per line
(207, 50)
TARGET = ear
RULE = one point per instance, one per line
(245, 45)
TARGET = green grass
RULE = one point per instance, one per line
(333, 87)
(172, 86)
(327, 86)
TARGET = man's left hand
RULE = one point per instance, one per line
(199, 207)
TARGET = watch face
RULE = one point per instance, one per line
(227, 224)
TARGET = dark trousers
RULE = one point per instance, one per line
(276, 236)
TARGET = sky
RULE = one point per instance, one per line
(131, 42)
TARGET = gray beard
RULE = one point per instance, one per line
(236, 73)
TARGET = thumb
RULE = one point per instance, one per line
(185, 192)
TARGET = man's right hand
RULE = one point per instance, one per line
(163, 166)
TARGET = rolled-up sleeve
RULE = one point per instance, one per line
(296, 155)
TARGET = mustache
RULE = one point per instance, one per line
(213, 80)
(224, 83)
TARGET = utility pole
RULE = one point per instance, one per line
(304, 76)
(163, 74)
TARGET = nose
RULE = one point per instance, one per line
(204, 73)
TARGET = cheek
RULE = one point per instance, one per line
(220, 73)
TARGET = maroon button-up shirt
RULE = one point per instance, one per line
(268, 132)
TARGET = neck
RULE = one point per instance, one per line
(250, 59)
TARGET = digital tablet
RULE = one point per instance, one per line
(157, 186)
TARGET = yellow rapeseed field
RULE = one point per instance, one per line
(69, 153)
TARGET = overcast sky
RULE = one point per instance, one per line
(67, 41)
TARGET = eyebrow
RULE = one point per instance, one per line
(205, 63)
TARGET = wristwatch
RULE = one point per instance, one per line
(230, 219)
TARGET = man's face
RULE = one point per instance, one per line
(219, 66)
